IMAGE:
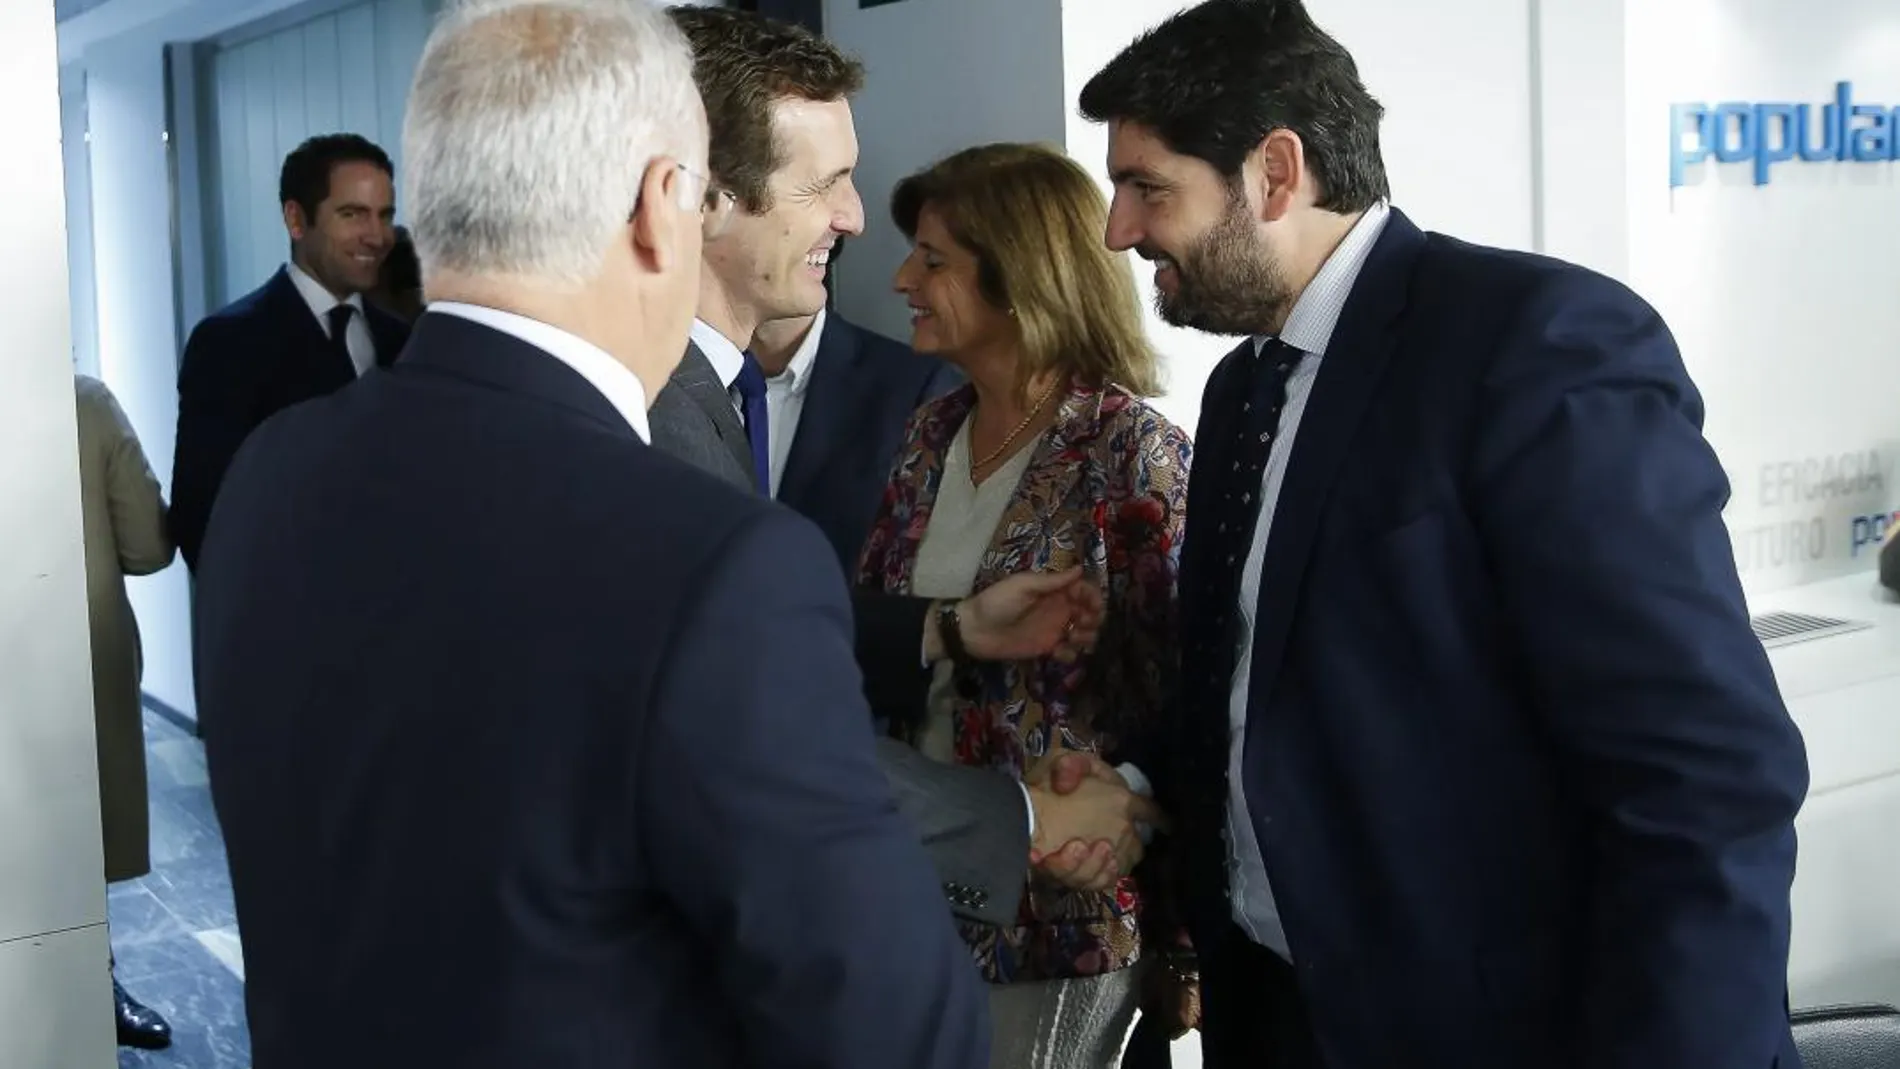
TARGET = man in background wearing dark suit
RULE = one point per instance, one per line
(532, 745)
(839, 398)
(303, 334)
(1480, 763)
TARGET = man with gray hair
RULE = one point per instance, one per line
(494, 791)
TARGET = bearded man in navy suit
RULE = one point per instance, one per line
(1481, 764)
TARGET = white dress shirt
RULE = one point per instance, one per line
(785, 398)
(615, 381)
(1309, 328)
(725, 355)
(357, 336)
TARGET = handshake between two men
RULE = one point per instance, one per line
(1087, 819)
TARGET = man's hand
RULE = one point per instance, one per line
(1034, 614)
(1086, 821)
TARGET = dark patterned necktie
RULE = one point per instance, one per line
(1225, 506)
(751, 387)
(1236, 508)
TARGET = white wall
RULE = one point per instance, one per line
(78, 170)
(138, 342)
(940, 77)
(55, 1002)
(1581, 112)
(1785, 297)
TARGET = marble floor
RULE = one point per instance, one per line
(173, 931)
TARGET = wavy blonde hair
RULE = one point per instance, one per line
(1035, 220)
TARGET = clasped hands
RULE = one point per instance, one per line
(1087, 819)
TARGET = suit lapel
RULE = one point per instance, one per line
(1354, 362)
(697, 380)
(319, 368)
(289, 305)
(1220, 408)
(834, 387)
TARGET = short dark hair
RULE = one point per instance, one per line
(305, 178)
(742, 62)
(401, 269)
(1213, 81)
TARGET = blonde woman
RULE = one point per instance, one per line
(1048, 458)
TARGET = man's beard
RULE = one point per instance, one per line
(1228, 283)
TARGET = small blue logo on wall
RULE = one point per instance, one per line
(1768, 134)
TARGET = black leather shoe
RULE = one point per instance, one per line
(139, 1025)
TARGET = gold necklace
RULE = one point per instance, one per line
(1013, 435)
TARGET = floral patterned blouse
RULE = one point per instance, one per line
(1105, 488)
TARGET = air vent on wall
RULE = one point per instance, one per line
(1786, 628)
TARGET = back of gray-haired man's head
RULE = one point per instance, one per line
(530, 126)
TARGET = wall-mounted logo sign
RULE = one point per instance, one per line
(1767, 134)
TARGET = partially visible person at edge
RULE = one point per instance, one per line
(399, 283)
(1480, 763)
(126, 533)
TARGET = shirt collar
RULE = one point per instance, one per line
(1309, 326)
(319, 299)
(797, 373)
(613, 379)
(722, 352)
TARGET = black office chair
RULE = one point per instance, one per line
(1848, 1037)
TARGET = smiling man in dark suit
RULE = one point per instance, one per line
(784, 149)
(839, 397)
(1480, 763)
(305, 333)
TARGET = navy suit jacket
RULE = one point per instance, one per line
(863, 391)
(495, 789)
(245, 362)
(1519, 769)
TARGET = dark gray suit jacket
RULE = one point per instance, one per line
(973, 821)
(693, 419)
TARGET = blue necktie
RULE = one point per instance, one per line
(751, 387)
